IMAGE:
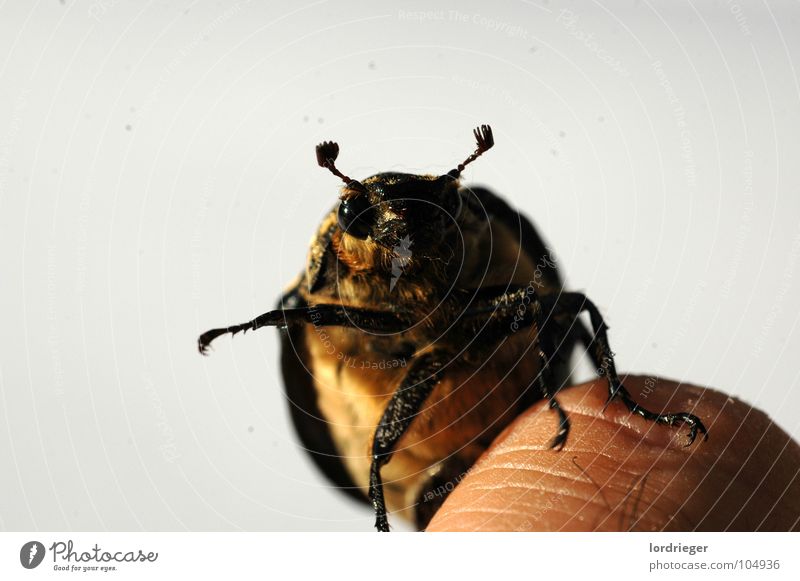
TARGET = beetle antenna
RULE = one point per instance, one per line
(327, 152)
(484, 141)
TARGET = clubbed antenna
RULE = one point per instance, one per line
(327, 152)
(484, 141)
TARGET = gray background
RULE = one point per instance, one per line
(157, 178)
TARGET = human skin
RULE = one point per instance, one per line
(619, 471)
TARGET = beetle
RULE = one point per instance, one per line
(428, 317)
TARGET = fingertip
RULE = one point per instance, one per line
(743, 478)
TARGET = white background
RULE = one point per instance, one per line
(157, 178)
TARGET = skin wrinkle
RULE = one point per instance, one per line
(620, 469)
(481, 510)
(564, 493)
(562, 498)
(569, 476)
(504, 485)
(521, 467)
(616, 488)
(682, 483)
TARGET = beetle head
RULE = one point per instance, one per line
(388, 208)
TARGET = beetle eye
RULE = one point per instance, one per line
(355, 216)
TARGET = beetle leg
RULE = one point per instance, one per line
(518, 304)
(404, 406)
(548, 393)
(545, 377)
(602, 356)
(560, 438)
(520, 307)
(499, 300)
(317, 315)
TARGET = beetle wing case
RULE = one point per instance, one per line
(301, 394)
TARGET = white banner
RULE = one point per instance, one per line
(354, 556)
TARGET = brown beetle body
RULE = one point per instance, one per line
(355, 374)
(428, 317)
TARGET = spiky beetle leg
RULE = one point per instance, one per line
(671, 419)
(602, 356)
(404, 406)
(318, 315)
(525, 306)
